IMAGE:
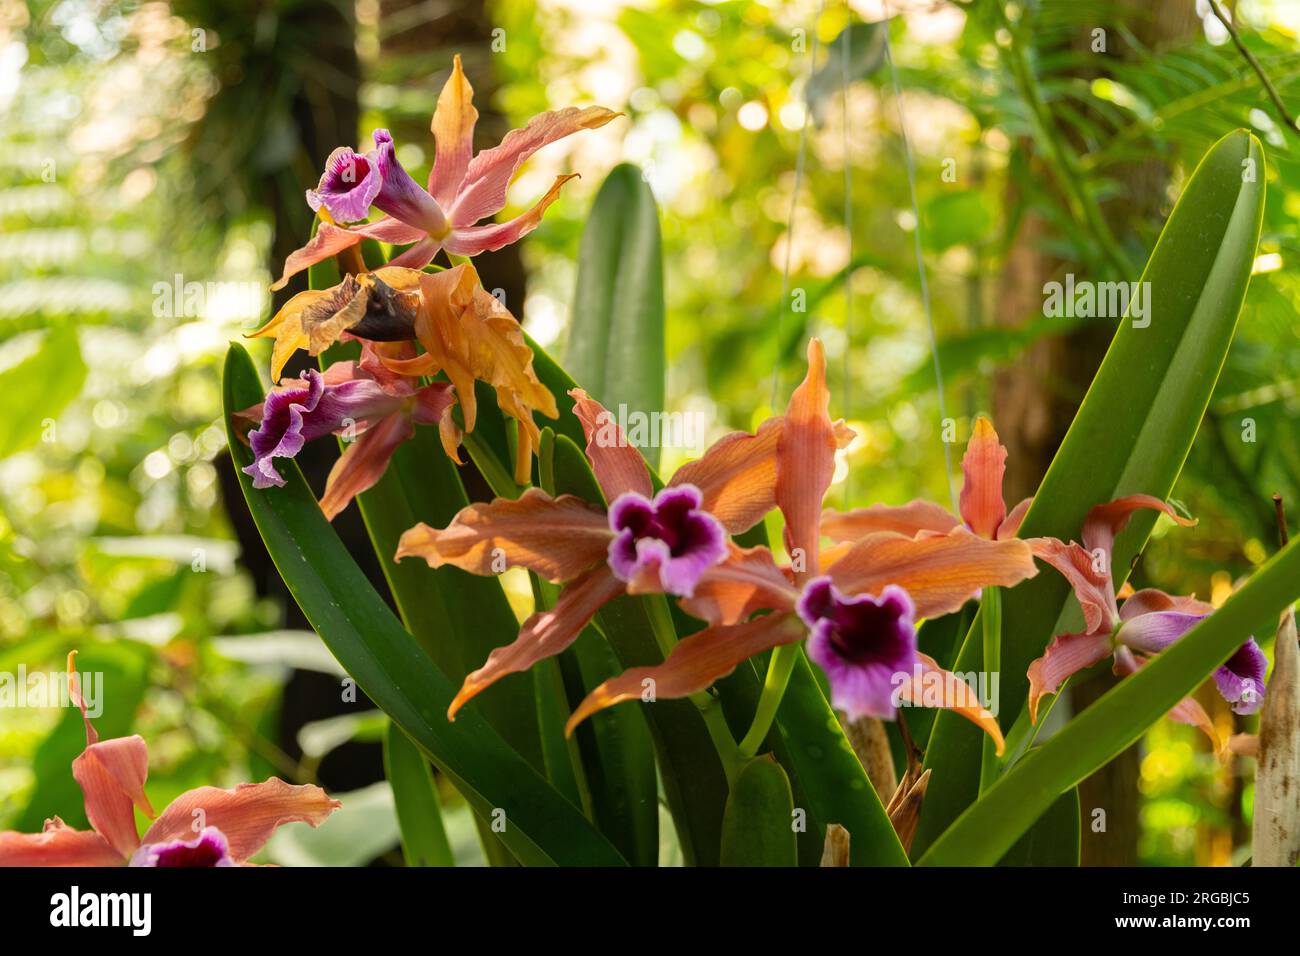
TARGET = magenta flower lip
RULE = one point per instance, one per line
(669, 538)
(209, 849)
(863, 643)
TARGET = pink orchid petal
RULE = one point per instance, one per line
(482, 193)
(984, 465)
(1065, 656)
(418, 256)
(544, 634)
(390, 230)
(471, 240)
(748, 580)
(954, 694)
(329, 240)
(1010, 526)
(1092, 587)
(617, 463)
(1105, 522)
(57, 845)
(246, 815)
(737, 476)
(364, 462)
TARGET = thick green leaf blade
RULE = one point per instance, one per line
(758, 828)
(1112, 724)
(1132, 433)
(541, 827)
(1054, 839)
(419, 812)
(616, 334)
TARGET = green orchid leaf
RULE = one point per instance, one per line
(1112, 724)
(1054, 839)
(616, 333)
(536, 823)
(419, 812)
(1132, 433)
(38, 388)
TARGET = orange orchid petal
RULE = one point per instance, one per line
(1088, 574)
(941, 572)
(1010, 526)
(559, 538)
(806, 463)
(984, 464)
(453, 135)
(693, 664)
(328, 241)
(467, 240)
(736, 476)
(748, 580)
(936, 687)
(57, 845)
(1065, 656)
(617, 463)
(544, 634)
(247, 815)
(909, 519)
(1105, 522)
(111, 774)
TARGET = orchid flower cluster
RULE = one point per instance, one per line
(858, 602)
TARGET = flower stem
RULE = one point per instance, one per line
(991, 612)
(779, 669)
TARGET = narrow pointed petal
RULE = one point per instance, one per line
(1089, 575)
(936, 687)
(692, 665)
(737, 476)
(111, 774)
(984, 464)
(364, 462)
(467, 240)
(483, 191)
(940, 572)
(618, 464)
(418, 256)
(1065, 656)
(748, 580)
(329, 240)
(909, 519)
(806, 463)
(544, 634)
(1105, 522)
(1010, 526)
(57, 845)
(453, 135)
(559, 538)
(246, 815)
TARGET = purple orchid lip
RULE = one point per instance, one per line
(401, 196)
(863, 643)
(296, 414)
(1241, 679)
(670, 537)
(208, 849)
(348, 186)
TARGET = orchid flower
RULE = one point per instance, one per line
(1148, 621)
(858, 606)
(981, 505)
(466, 333)
(365, 400)
(235, 823)
(665, 542)
(462, 188)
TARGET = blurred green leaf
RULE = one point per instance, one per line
(38, 388)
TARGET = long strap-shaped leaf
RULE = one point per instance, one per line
(541, 827)
(1132, 433)
(1103, 731)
